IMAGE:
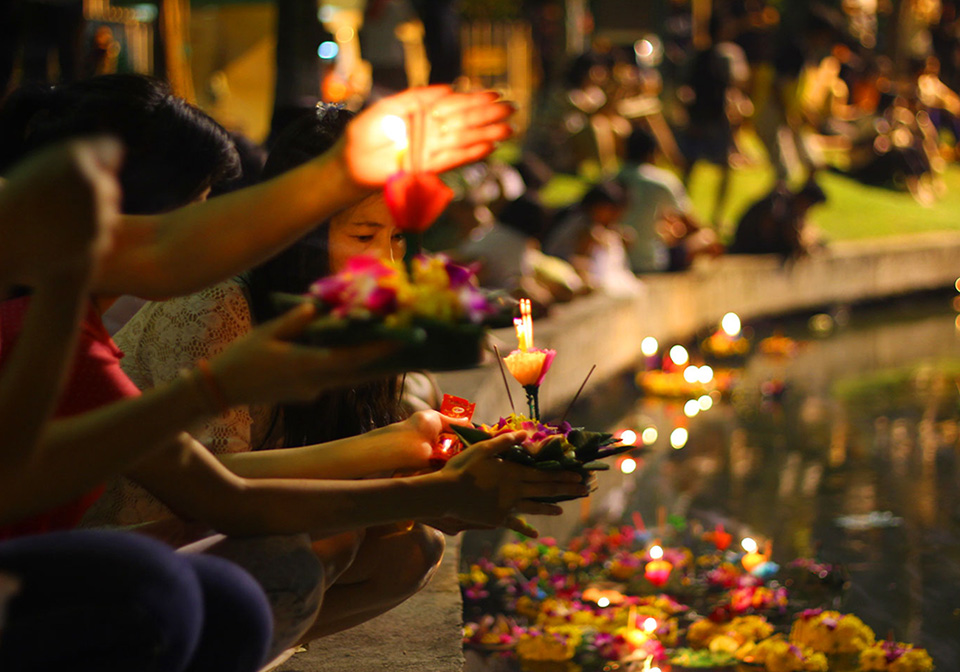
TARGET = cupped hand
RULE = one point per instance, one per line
(266, 367)
(409, 444)
(489, 491)
(458, 128)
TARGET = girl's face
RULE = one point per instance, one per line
(365, 228)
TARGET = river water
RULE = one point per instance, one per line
(848, 451)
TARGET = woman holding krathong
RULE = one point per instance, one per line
(182, 249)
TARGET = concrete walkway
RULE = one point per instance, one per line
(423, 635)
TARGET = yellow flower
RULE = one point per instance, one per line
(557, 644)
(873, 658)
(914, 660)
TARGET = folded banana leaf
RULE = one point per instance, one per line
(424, 344)
(552, 456)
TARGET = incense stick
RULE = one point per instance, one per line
(505, 383)
(577, 395)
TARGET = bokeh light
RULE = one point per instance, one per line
(678, 355)
(328, 50)
(649, 346)
(628, 465)
(730, 324)
(678, 438)
(649, 435)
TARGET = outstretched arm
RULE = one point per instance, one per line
(76, 453)
(475, 487)
(405, 445)
(179, 252)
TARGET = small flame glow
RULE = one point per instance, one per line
(603, 602)
(650, 624)
(749, 545)
(730, 324)
(649, 346)
(395, 129)
(656, 552)
(678, 355)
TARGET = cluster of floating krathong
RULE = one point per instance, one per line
(620, 598)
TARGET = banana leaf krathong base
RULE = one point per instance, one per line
(424, 344)
(578, 450)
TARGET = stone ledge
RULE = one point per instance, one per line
(607, 330)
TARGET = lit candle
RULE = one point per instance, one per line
(720, 538)
(525, 327)
(752, 558)
(657, 570)
(396, 130)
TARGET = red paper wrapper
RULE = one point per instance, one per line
(449, 444)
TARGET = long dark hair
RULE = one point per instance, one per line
(338, 413)
(174, 151)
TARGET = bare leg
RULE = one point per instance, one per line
(391, 565)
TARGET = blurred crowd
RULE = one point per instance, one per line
(745, 87)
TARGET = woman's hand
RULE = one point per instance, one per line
(459, 128)
(485, 490)
(265, 367)
(408, 445)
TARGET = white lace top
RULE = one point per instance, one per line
(160, 340)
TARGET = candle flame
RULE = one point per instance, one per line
(395, 129)
(524, 326)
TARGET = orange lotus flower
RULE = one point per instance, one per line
(529, 366)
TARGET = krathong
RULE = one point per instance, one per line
(548, 446)
(435, 308)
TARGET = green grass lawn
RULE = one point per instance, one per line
(853, 210)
